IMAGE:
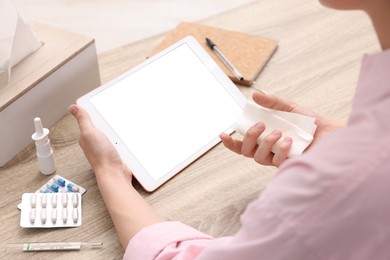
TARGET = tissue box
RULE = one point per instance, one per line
(44, 85)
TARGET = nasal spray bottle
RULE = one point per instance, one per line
(44, 150)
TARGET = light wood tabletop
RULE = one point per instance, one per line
(316, 65)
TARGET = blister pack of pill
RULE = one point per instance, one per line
(50, 210)
(60, 184)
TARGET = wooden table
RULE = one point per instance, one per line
(316, 65)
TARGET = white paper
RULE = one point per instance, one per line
(299, 127)
(17, 40)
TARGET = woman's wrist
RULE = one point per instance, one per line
(128, 210)
(103, 168)
(104, 172)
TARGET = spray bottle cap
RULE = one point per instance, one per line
(40, 132)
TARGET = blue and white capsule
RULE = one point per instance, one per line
(53, 187)
(45, 190)
(59, 181)
(72, 188)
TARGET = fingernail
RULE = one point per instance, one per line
(288, 140)
(260, 126)
(276, 132)
(72, 109)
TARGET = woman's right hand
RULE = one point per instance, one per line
(99, 151)
(262, 152)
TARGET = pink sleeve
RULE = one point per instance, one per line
(167, 240)
(175, 240)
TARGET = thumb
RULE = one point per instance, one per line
(273, 102)
(82, 117)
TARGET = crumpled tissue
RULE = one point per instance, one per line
(17, 39)
(299, 127)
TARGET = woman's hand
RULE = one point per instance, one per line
(262, 152)
(128, 210)
(99, 151)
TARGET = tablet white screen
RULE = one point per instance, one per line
(167, 110)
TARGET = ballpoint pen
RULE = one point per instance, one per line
(222, 57)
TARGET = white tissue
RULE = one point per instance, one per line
(299, 127)
(17, 40)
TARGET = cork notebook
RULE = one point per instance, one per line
(248, 53)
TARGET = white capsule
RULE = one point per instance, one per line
(43, 216)
(32, 215)
(64, 200)
(33, 200)
(64, 215)
(44, 200)
(54, 200)
(54, 215)
(75, 200)
(75, 215)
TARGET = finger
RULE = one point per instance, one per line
(230, 143)
(264, 152)
(273, 102)
(283, 150)
(82, 118)
(249, 143)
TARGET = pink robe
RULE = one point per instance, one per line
(333, 202)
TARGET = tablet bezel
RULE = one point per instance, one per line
(139, 172)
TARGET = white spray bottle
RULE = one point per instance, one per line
(44, 150)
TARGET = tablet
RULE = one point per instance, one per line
(166, 112)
